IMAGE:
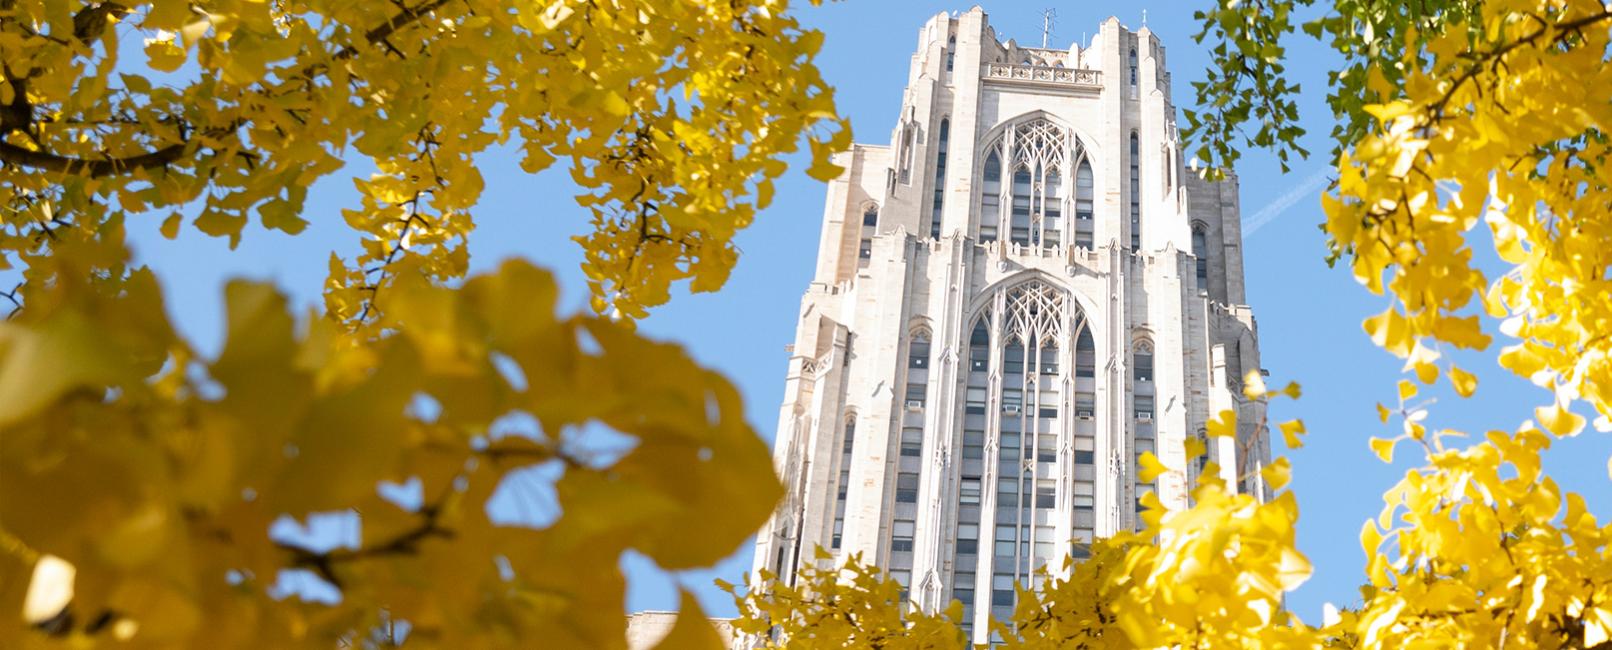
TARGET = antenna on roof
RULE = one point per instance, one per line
(1047, 16)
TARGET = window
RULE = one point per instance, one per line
(973, 444)
(979, 347)
(844, 486)
(907, 136)
(1051, 208)
(1136, 184)
(1144, 407)
(940, 179)
(1044, 495)
(1133, 72)
(951, 52)
(915, 393)
(1142, 361)
(1084, 201)
(1049, 359)
(1020, 213)
(968, 491)
(1001, 590)
(1200, 249)
(1035, 154)
(918, 352)
(1085, 457)
(870, 228)
(901, 536)
(974, 401)
(991, 198)
(1008, 447)
(907, 487)
(1085, 355)
(912, 442)
(1013, 359)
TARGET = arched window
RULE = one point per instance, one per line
(1019, 216)
(1050, 228)
(951, 52)
(1200, 250)
(870, 227)
(907, 136)
(940, 179)
(991, 198)
(1036, 154)
(1085, 355)
(1142, 361)
(1084, 200)
(1015, 392)
(1136, 192)
(1133, 71)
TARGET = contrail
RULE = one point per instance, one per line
(1307, 188)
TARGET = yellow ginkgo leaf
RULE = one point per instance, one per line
(1223, 425)
(1195, 447)
(1559, 420)
(1384, 448)
(1291, 430)
(1150, 468)
(1463, 382)
(1407, 390)
(1277, 474)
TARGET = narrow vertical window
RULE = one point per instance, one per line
(1142, 361)
(849, 436)
(991, 198)
(1136, 192)
(870, 227)
(1133, 72)
(1052, 208)
(951, 52)
(1084, 200)
(1019, 216)
(1085, 355)
(940, 180)
(907, 136)
(1200, 250)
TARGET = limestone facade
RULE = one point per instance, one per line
(1020, 294)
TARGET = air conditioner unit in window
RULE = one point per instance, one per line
(1010, 409)
(1084, 414)
(1144, 416)
(915, 405)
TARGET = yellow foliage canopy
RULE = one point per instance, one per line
(140, 479)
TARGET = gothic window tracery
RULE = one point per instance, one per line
(1019, 382)
(1041, 159)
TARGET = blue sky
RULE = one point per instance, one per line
(1308, 315)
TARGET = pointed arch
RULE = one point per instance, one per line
(1026, 164)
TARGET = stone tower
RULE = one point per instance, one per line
(1017, 297)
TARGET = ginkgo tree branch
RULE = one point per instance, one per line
(94, 168)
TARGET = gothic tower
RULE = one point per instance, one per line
(1017, 297)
